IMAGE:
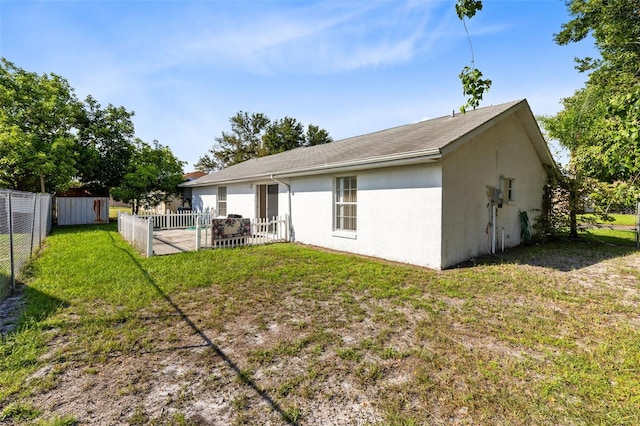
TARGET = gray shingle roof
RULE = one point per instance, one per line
(422, 139)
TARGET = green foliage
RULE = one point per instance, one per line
(105, 145)
(283, 135)
(473, 86)
(48, 137)
(255, 135)
(600, 124)
(38, 115)
(152, 177)
(468, 8)
(613, 197)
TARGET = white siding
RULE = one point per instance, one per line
(82, 210)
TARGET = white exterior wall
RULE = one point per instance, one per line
(241, 199)
(503, 150)
(204, 197)
(399, 214)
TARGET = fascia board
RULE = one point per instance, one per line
(407, 158)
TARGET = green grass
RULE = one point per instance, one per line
(276, 330)
(113, 211)
(610, 219)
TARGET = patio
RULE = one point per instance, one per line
(172, 241)
(178, 232)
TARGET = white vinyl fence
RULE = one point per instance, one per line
(137, 231)
(179, 220)
(260, 231)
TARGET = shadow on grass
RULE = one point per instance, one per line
(562, 254)
(25, 306)
(207, 342)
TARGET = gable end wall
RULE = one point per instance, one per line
(503, 150)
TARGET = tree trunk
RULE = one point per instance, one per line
(41, 183)
(573, 213)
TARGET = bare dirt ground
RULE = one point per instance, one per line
(194, 374)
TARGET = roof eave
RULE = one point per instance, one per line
(403, 159)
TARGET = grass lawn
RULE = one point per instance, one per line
(612, 219)
(113, 212)
(287, 334)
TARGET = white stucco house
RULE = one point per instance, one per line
(433, 193)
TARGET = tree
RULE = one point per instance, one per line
(38, 115)
(152, 177)
(316, 136)
(600, 123)
(606, 143)
(105, 145)
(283, 135)
(244, 142)
(255, 135)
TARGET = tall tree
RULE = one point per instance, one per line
(605, 115)
(283, 135)
(242, 143)
(600, 123)
(105, 145)
(152, 177)
(316, 136)
(255, 135)
(38, 115)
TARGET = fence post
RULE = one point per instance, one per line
(11, 254)
(150, 237)
(638, 224)
(197, 235)
(33, 223)
(287, 228)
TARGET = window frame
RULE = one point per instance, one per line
(509, 190)
(345, 206)
(221, 200)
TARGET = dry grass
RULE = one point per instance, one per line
(286, 334)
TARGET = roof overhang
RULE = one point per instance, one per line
(403, 159)
(529, 124)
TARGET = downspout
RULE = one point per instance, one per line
(273, 178)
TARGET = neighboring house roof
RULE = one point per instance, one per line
(193, 175)
(79, 192)
(424, 141)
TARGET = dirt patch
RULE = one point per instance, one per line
(197, 366)
(10, 310)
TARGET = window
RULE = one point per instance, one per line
(509, 189)
(222, 201)
(346, 203)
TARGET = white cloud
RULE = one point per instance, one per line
(321, 38)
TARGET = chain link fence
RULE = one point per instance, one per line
(621, 228)
(25, 221)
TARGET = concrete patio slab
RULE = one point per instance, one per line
(172, 241)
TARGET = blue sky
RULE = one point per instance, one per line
(350, 67)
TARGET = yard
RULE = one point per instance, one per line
(287, 334)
